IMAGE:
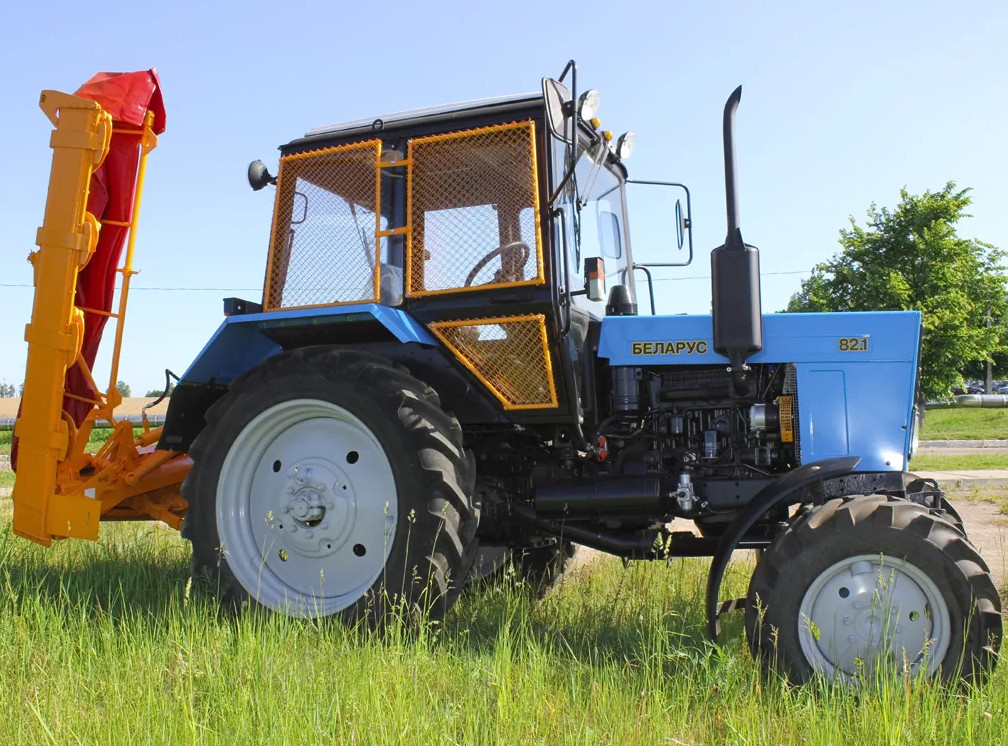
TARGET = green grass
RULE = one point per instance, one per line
(98, 437)
(934, 460)
(105, 643)
(965, 424)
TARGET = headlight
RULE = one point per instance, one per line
(625, 145)
(915, 430)
(588, 103)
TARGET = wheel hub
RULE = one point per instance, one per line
(319, 508)
(864, 609)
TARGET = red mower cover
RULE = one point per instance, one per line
(126, 97)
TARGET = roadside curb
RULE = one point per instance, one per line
(925, 444)
(948, 484)
(960, 479)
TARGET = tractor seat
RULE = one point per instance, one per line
(391, 285)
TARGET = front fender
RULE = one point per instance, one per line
(773, 494)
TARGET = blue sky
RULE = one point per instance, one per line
(843, 104)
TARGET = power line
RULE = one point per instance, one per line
(707, 277)
(133, 287)
(259, 289)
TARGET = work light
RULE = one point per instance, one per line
(588, 103)
(625, 145)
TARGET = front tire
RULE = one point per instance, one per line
(866, 583)
(329, 481)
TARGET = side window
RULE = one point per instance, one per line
(454, 240)
(473, 203)
(609, 233)
(331, 249)
(594, 221)
(324, 236)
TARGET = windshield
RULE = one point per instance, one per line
(595, 224)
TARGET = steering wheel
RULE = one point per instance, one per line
(513, 256)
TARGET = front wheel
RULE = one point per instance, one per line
(330, 481)
(868, 583)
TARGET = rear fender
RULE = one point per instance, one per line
(243, 342)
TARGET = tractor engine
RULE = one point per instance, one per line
(688, 441)
(714, 439)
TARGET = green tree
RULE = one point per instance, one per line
(158, 392)
(911, 258)
(123, 388)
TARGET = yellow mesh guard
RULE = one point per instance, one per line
(786, 418)
(509, 355)
(474, 211)
(325, 229)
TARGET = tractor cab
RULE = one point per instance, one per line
(487, 222)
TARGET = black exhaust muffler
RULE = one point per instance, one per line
(588, 496)
(735, 280)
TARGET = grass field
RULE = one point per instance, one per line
(105, 643)
(965, 424)
(935, 460)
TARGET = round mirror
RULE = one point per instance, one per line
(259, 176)
(680, 224)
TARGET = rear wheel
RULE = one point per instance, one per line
(541, 568)
(866, 583)
(536, 568)
(330, 481)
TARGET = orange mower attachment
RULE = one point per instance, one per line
(100, 144)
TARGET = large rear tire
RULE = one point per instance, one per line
(871, 582)
(330, 481)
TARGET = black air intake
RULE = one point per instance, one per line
(735, 281)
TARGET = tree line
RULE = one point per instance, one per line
(912, 258)
(9, 390)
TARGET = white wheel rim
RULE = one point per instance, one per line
(868, 611)
(306, 508)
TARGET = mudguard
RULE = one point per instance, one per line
(242, 342)
(773, 494)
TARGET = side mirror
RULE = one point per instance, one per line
(682, 224)
(557, 107)
(259, 176)
(594, 269)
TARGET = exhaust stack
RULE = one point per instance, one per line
(735, 280)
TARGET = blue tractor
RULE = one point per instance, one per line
(436, 380)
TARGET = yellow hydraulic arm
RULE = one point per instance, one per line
(60, 490)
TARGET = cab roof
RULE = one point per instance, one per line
(428, 115)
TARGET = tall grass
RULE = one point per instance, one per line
(106, 643)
